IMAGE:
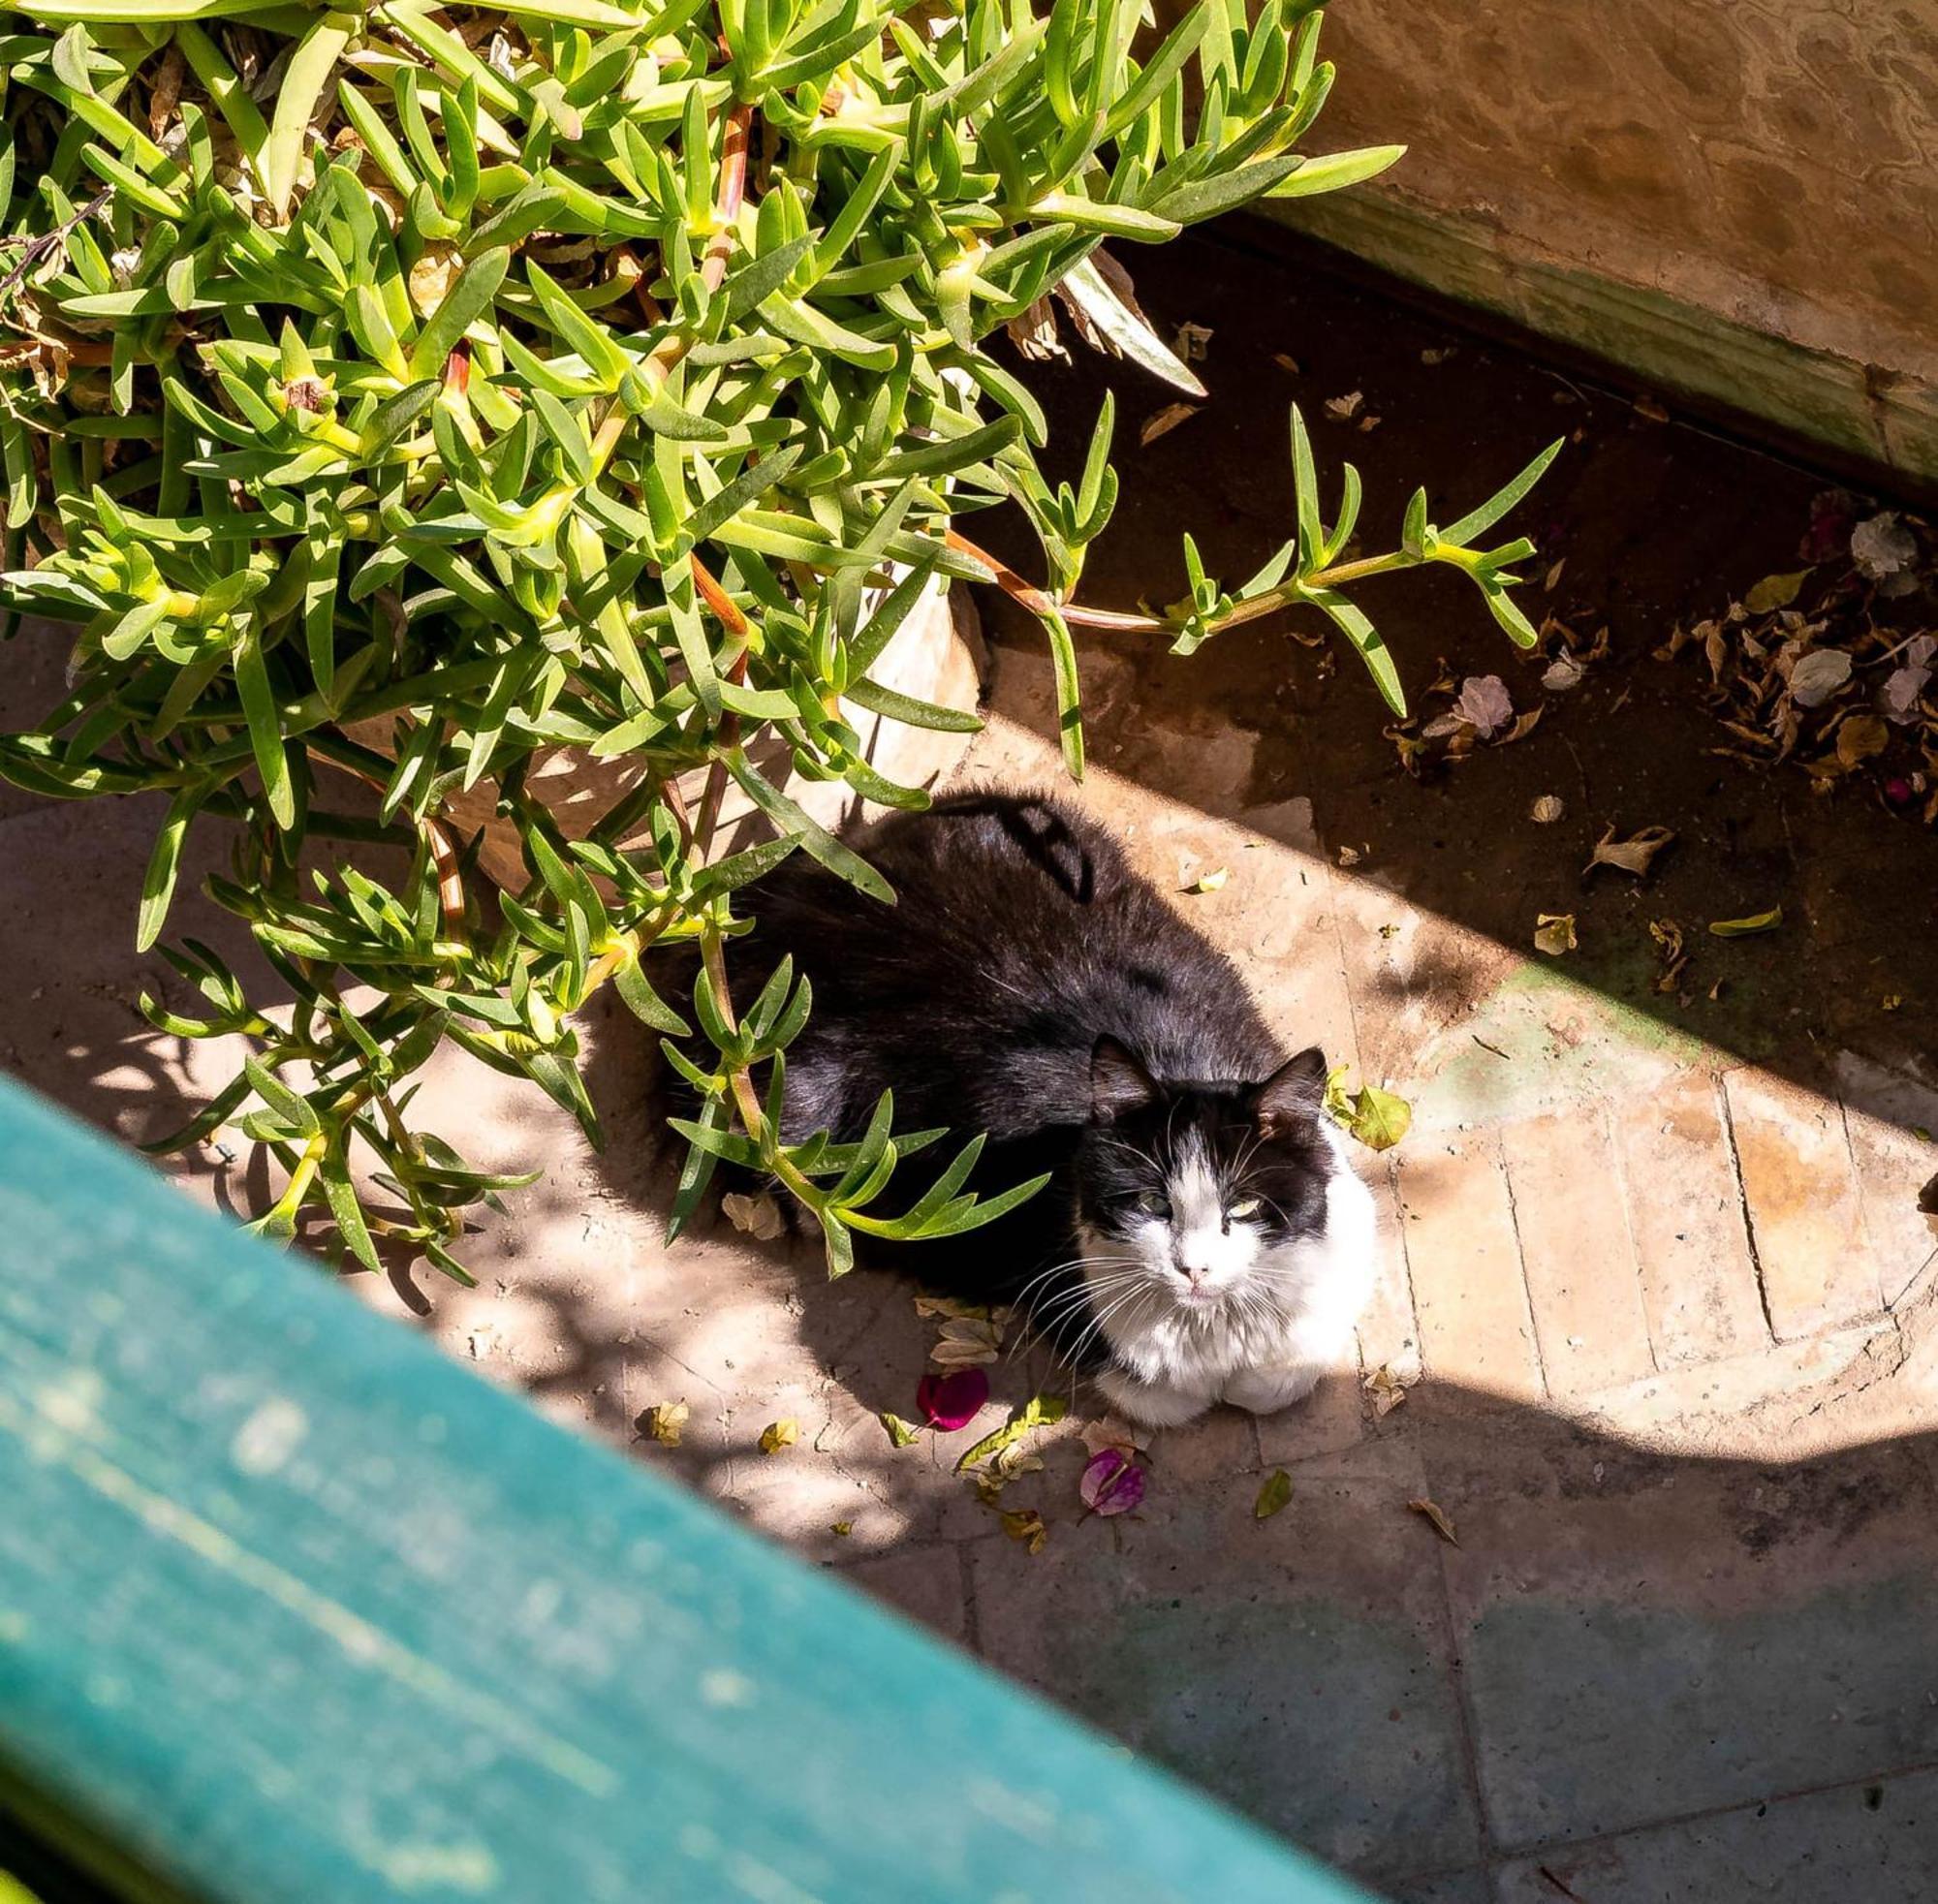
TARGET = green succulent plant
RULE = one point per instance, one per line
(586, 374)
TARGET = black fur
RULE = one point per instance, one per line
(1029, 984)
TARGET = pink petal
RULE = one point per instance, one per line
(1113, 1482)
(952, 1401)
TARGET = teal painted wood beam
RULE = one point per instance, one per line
(292, 1607)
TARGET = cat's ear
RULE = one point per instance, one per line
(1118, 1082)
(1292, 1094)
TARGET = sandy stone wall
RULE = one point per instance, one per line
(1775, 159)
(1772, 163)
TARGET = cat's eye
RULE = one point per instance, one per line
(1247, 1209)
(1154, 1203)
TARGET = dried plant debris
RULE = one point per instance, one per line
(1107, 1431)
(1904, 687)
(1745, 928)
(1025, 1525)
(1830, 666)
(1161, 422)
(777, 1435)
(1547, 809)
(664, 1422)
(1554, 933)
(1635, 855)
(1386, 1388)
(1191, 342)
(759, 1217)
(1668, 936)
(1885, 551)
(1774, 592)
(1378, 1118)
(1039, 1412)
(1431, 1511)
(971, 1336)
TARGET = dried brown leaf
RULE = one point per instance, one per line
(1107, 1432)
(759, 1216)
(1025, 1524)
(1634, 855)
(1387, 1390)
(1034, 332)
(1861, 738)
(1437, 1514)
(1554, 933)
(1161, 422)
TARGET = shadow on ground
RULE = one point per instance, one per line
(1692, 1662)
(1652, 524)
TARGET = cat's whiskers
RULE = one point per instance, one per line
(1065, 1303)
(1130, 1297)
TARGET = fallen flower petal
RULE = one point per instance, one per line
(1113, 1482)
(952, 1401)
(1484, 704)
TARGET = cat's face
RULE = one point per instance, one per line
(1190, 1197)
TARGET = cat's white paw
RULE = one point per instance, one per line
(1265, 1390)
(1152, 1404)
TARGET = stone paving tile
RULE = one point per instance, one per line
(1783, 1402)
(1388, 1334)
(1852, 1845)
(1801, 1195)
(1464, 1259)
(33, 665)
(1570, 1216)
(1451, 1887)
(924, 1582)
(69, 1021)
(1296, 1667)
(1883, 1112)
(1327, 1421)
(1685, 1215)
(1643, 1637)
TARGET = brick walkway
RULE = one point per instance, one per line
(1661, 1316)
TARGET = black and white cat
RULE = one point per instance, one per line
(1204, 1238)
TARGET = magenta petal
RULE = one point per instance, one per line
(952, 1401)
(1113, 1482)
